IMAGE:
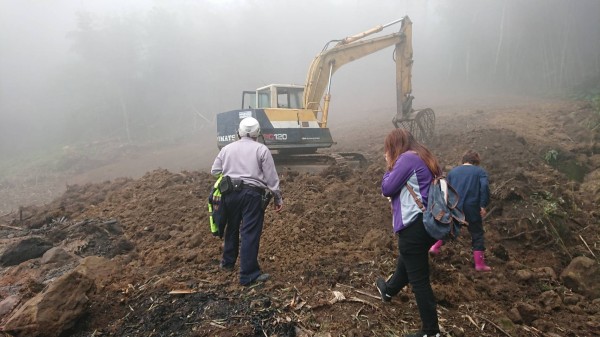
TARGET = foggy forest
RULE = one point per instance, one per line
(73, 72)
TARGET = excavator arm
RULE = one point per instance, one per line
(318, 82)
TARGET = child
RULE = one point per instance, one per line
(471, 183)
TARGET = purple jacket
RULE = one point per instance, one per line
(411, 169)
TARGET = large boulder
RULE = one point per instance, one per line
(582, 276)
(61, 304)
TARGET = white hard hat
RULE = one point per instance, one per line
(249, 127)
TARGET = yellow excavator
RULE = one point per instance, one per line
(293, 118)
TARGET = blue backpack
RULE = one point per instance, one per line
(442, 218)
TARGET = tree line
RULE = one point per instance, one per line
(141, 76)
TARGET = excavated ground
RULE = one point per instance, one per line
(334, 239)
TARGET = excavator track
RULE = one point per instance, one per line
(319, 161)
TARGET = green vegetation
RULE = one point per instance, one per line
(545, 285)
(551, 157)
(596, 103)
(551, 206)
(595, 122)
(589, 90)
(573, 169)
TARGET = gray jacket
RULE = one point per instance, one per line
(250, 161)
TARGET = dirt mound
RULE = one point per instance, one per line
(334, 239)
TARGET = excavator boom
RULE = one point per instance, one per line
(350, 49)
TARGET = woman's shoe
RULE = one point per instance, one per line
(382, 288)
(422, 334)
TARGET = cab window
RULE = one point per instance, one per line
(264, 99)
(289, 98)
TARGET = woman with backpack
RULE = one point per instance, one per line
(409, 162)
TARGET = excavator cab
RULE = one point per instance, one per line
(286, 126)
(274, 96)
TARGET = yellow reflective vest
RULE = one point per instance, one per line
(214, 202)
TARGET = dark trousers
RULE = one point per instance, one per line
(413, 267)
(244, 219)
(475, 227)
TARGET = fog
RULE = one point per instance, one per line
(74, 72)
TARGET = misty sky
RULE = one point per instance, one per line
(34, 33)
(68, 66)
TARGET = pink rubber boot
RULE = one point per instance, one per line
(479, 261)
(435, 249)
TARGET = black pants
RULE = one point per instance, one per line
(244, 219)
(475, 226)
(413, 267)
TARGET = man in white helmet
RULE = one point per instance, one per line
(250, 166)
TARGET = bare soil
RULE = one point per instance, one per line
(334, 237)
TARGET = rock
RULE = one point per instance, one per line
(514, 265)
(545, 273)
(57, 255)
(515, 316)
(506, 324)
(39, 316)
(575, 309)
(163, 236)
(594, 160)
(582, 275)
(8, 304)
(322, 334)
(377, 239)
(593, 324)
(550, 300)
(571, 299)
(190, 256)
(26, 249)
(196, 240)
(501, 252)
(355, 333)
(524, 275)
(528, 312)
(112, 226)
(123, 246)
(543, 325)
(457, 332)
